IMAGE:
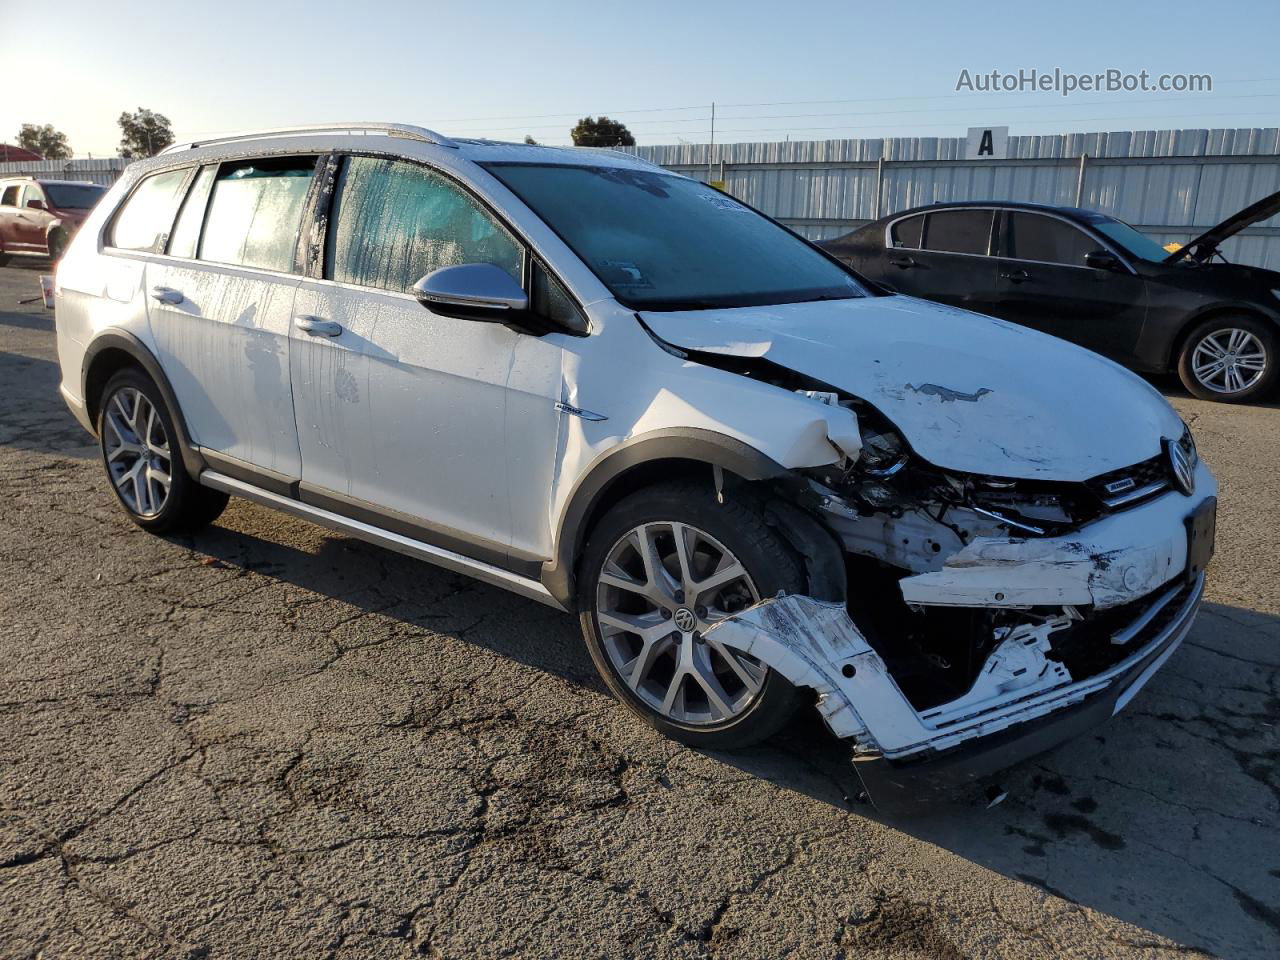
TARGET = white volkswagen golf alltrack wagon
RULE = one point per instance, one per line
(759, 480)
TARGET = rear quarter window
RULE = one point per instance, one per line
(146, 218)
(906, 233)
(9, 198)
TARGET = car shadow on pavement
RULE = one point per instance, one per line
(1164, 817)
(380, 581)
(32, 415)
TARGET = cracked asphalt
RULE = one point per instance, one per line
(270, 740)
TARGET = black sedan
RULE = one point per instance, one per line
(1092, 279)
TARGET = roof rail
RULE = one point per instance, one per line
(402, 130)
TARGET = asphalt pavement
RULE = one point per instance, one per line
(271, 740)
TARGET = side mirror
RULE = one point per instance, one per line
(1101, 260)
(473, 291)
(36, 204)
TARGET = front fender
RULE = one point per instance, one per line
(675, 443)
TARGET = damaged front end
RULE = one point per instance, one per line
(987, 618)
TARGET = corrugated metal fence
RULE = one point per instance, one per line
(105, 171)
(1171, 184)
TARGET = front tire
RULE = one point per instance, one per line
(1231, 358)
(658, 569)
(140, 453)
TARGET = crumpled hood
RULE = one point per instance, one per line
(968, 392)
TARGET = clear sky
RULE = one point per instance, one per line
(820, 70)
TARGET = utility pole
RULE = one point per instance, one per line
(712, 148)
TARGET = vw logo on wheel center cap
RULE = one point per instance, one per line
(685, 621)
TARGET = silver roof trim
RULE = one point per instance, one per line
(402, 130)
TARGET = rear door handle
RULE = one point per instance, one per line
(167, 295)
(1017, 276)
(903, 262)
(316, 327)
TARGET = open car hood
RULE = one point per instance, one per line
(968, 392)
(1202, 247)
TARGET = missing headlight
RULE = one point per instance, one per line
(884, 452)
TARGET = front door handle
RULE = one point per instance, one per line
(903, 262)
(1017, 276)
(317, 327)
(167, 295)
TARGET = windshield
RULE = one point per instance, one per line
(1130, 240)
(73, 196)
(662, 242)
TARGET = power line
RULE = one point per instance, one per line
(884, 113)
(779, 103)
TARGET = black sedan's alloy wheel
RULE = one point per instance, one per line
(1230, 358)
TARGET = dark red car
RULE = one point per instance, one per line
(39, 217)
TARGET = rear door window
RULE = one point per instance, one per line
(958, 231)
(906, 233)
(1032, 236)
(144, 222)
(395, 222)
(254, 210)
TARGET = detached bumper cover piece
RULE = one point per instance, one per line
(904, 756)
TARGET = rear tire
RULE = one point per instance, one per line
(692, 689)
(1230, 358)
(140, 452)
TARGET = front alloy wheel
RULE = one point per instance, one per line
(663, 585)
(659, 569)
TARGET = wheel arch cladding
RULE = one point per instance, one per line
(632, 465)
(117, 350)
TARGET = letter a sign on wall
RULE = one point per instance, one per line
(987, 143)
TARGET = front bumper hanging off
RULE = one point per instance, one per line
(1021, 704)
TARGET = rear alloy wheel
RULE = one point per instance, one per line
(660, 569)
(140, 452)
(1230, 359)
(136, 448)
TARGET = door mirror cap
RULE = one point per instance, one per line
(36, 204)
(1102, 260)
(473, 291)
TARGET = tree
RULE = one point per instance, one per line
(602, 132)
(528, 139)
(145, 134)
(46, 141)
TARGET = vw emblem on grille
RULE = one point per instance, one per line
(1180, 466)
(685, 621)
